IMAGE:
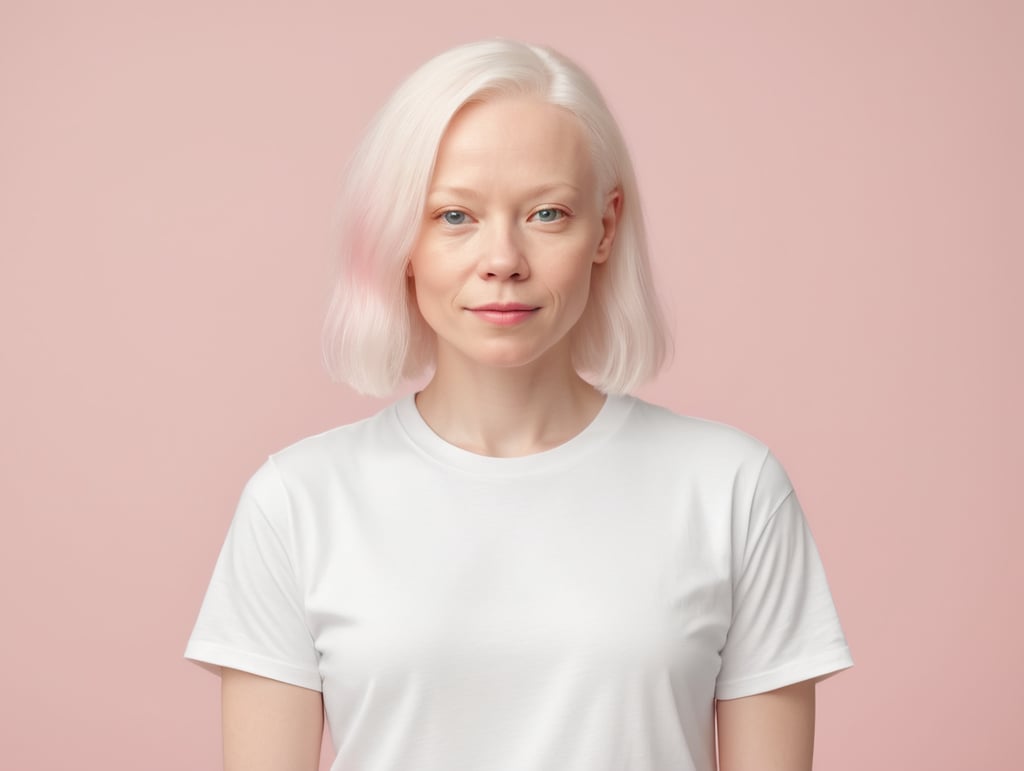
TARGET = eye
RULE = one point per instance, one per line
(549, 215)
(453, 217)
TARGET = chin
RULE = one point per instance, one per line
(505, 361)
(512, 356)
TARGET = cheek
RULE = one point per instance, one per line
(437, 264)
(425, 267)
(429, 303)
(430, 281)
(435, 283)
(425, 287)
(571, 278)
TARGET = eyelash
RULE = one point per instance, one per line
(559, 210)
(563, 212)
(442, 216)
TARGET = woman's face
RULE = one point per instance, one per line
(513, 226)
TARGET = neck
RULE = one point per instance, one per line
(507, 412)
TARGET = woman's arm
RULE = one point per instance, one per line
(269, 725)
(771, 731)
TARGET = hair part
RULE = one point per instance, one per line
(374, 336)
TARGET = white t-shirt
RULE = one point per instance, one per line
(578, 609)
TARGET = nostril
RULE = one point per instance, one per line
(516, 276)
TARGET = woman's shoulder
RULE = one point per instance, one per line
(699, 448)
(337, 449)
(669, 429)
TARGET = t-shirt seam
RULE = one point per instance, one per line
(287, 552)
(498, 474)
(220, 646)
(803, 660)
(267, 519)
(767, 524)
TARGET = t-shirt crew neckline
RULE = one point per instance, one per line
(608, 420)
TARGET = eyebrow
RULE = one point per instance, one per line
(469, 192)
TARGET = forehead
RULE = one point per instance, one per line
(510, 140)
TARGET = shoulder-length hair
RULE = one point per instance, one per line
(374, 335)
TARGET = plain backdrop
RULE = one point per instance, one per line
(834, 197)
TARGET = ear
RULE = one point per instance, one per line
(609, 222)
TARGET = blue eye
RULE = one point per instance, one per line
(454, 217)
(549, 215)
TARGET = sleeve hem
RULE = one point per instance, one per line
(828, 663)
(211, 657)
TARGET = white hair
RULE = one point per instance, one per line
(374, 335)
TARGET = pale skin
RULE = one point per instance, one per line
(515, 214)
(510, 390)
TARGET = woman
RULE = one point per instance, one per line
(520, 566)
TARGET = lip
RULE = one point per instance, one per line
(504, 307)
(503, 314)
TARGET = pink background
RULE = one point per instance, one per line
(835, 203)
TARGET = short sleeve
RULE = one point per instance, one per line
(785, 627)
(252, 617)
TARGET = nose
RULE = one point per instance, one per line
(503, 256)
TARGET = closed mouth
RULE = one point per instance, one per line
(505, 308)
